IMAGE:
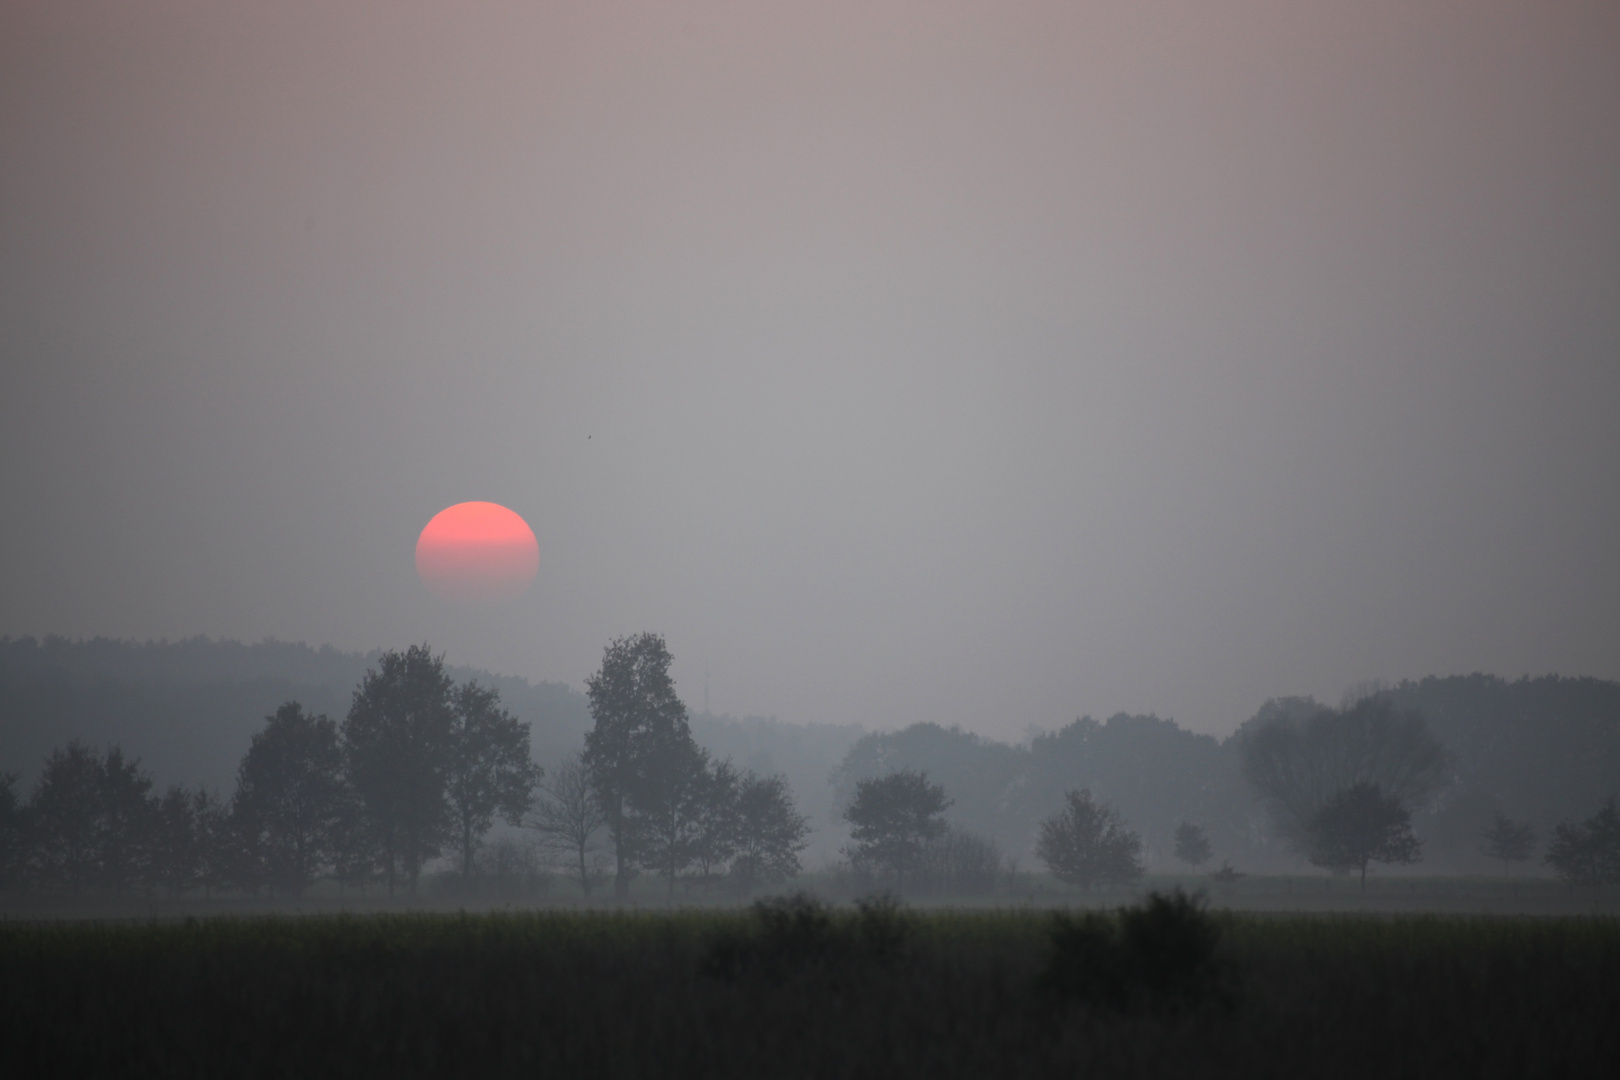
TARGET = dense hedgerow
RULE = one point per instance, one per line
(795, 988)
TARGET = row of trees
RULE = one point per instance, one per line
(420, 767)
(1087, 842)
(1341, 785)
(897, 827)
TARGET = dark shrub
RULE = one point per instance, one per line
(794, 929)
(882, 926)
(1161, 953)
(1088, 962)
(789, 936)
(1169, 944)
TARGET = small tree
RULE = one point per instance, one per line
(892, 818)
(1192, 845)
(1508, 841)
(177, 853)
(1362, 825)
(1087, 843)
(770, 833)
(714, 839)
(569, 819)
(1587, 852)
(490, 771)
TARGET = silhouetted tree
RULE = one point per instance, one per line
(636, 717)
(490, 770)
(673, 780)
(64, 819)
(770, 833)
(1298, 755)
(289, 798)
(569, 819)
(1587, 852)
(358, 857)
(216, 840)
(177, 849)
(397, 750)
(1508, 841)
(1361, 825)
(1192, 845)
(11, 835)
(125, 827)
(892, 818)
(1087, 843)
(714, 833)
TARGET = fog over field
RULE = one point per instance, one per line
(980, 364)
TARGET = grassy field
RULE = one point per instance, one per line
(807, 992)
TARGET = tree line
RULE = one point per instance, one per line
(420, 767)
(1338, 785)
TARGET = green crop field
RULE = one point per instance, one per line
(807, 991)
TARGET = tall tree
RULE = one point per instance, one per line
(1087, 843)
(397, 751)
(1360, 825)
(289, 797)
(569, 819)
(1297, 755)
(770, 833)
(892, 818)
(490, 769)
(636, 716)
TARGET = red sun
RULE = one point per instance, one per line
(475, 552)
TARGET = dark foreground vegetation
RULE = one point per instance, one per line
(792, 988)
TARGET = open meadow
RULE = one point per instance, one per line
(797, 988)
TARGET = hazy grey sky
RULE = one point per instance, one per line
(985, 363)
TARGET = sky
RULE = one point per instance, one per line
(978, 363)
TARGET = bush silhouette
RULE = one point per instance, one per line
(1159, 954)
(791, 936)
